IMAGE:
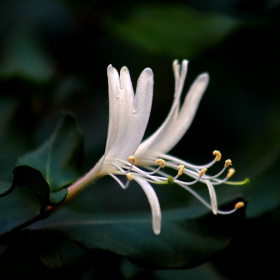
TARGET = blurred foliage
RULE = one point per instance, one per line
(162, 29)
(53, 57)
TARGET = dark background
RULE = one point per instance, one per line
(54, 55)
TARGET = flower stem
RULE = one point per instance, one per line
(73, 190)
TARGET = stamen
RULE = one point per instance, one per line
(132, 159)
(118, 181)
(203, 201)
(161, 161)
(129, 176)
(217, 175)
(180, 172)
(231, 171)
(129, 179)
(228, 163)
(202, 172)
(218, 155)
(239, 205)
(162, 165)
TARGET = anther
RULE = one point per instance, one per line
(181, 170)
(218, 155)
(239, 204)
(202, 172)
(129, 176)
(228, 163)
(132, 159)
(231, 171)
(161, 161)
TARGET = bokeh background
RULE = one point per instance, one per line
(53, 58)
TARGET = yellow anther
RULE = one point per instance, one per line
(129, 176)
(132, 159)
(218, 155)
(161, 161)
(239, 204)
(231, 171)
(202, 172)
(228, 163)
(181, 170)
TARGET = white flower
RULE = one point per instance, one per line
(124, 155)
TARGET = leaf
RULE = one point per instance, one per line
(33, 180)
(264, 195)
(5, 188)
(183, 242)
(50, 256)
(173, 30)
(58, 159)
(106, 217)
(24, 55)
(16, 210)
(24, 202)
(58, 197)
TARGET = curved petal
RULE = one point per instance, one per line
(128, 114)
(154, 203)
(177, 122)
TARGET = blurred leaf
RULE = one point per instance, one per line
(5, 187)
(24, 55)
(173, 30)
(264, 196)
(183, 242)
(203, 272)
(15, 134)
(20, 259)
(58, 159)
(50, 256)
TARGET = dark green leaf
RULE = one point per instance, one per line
(33, 180)
(58, 159)
(50, 256)
(183, 242)
(58, 197)
(5, 187)
(264, 195)
(16, 210)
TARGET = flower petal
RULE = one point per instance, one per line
(177, 122)
(154, 203)
(128, 114)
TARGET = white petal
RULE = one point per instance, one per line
(128, 114)
(176, 123)
(213, 197)
(154, 203)
(179, 77)
(141, 110)
(114, 115)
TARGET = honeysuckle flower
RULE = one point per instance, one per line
(125, 155)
